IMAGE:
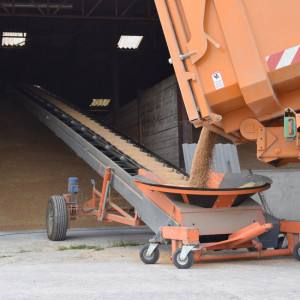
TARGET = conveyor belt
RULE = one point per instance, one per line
(99, 154)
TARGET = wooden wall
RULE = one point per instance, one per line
(152, 119)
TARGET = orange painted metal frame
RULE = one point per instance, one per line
(205, 36)
(112, 212)
(184, 234)
(290, 227)
(244, 238)
(183, 191)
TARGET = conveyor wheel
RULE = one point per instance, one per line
(57, 218)
(296, 251)
(183, 264)
(149, 259)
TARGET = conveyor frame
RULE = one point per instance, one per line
(121, 180)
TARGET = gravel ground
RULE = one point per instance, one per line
(32, 267)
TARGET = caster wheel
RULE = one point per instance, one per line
(149, 259)
(183, 264)
(281, 243)
(296, 251)
(57, 218)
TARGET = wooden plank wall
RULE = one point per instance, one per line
(158, 117)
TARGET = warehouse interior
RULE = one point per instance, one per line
(75, 53)
(71, 49)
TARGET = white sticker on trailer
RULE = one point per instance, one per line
(217, 79)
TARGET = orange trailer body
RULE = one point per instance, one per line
(238, 67)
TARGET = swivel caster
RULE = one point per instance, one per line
(183, 263)
(296, 251)
(152, 258)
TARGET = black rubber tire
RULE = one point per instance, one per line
(149, 260)
(296, 251)
(57, 218)
(187, 263)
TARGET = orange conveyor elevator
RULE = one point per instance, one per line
(237, 65)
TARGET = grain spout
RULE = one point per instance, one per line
(202, 159)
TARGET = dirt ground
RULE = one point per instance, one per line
(35, 164)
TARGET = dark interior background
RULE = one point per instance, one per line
(73, 51)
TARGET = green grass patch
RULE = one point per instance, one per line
(62, 248)
(98, 248)
(81, 247)
(3, 256)
(121, 243)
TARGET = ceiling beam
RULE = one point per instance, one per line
(94, 7)
(128, 8)
(38, 7)
(48, 7)
(59, 7)
(146, 19)
(4, 8)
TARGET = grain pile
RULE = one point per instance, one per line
(202, 159)
(168, 175)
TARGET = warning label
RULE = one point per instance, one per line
(218, 81)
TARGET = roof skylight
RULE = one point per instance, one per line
(100, 102)
(14, 39)
(129, 41)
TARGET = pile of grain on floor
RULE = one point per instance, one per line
(35, 164)
(167, 174)
(202, 159)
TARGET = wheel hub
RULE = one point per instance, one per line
(181, 261)
(149, 257)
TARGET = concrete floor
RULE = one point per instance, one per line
(32, 267)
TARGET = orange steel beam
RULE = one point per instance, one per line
(185, 234)
(107, 176)
(92, 203)
(120, 210)
(293, 239)
(181, 72)
(240, 237)
(264, 253)
(289, 226)
(185, 199)
(123, 220)
(224, 201)
(188, 24)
